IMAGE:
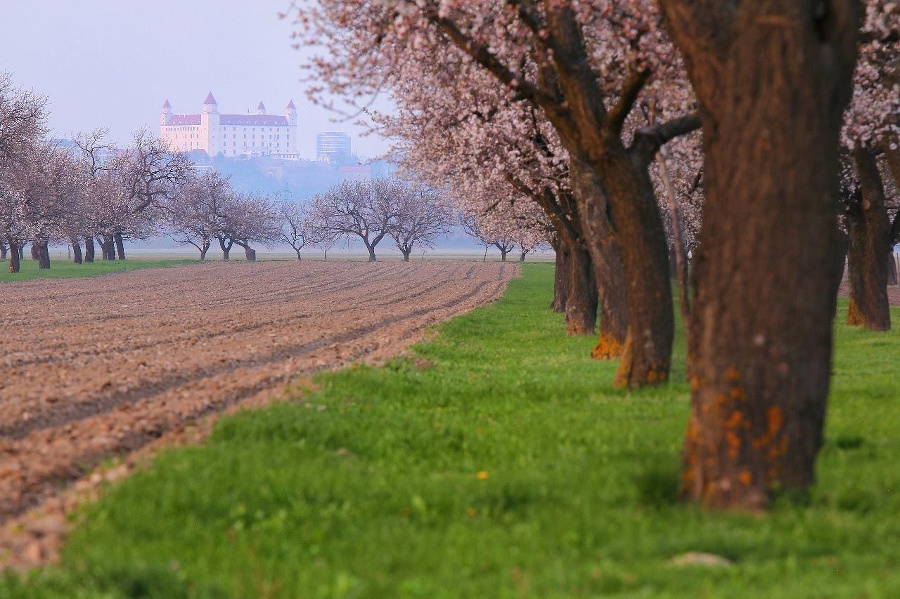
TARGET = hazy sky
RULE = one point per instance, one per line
(114, 62)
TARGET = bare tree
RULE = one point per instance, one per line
(364, 209)
(193, 213)
(247, 219)
(422, 215)
(297, 225)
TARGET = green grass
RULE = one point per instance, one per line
(63, 269)
(370, 487)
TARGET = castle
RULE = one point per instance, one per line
(231, 135)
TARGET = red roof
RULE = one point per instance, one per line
(258, 120)
(209, 99)
(185, 119)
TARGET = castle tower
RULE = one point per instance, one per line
(291, 113)
(210, 136)
(261, 108)
(166, 116)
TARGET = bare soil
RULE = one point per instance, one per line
(101, 367)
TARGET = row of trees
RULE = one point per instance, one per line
(620, 119)
(91, 193)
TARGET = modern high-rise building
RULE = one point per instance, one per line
(333, 147)
(231, 135)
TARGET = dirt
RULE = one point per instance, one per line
(96, 370)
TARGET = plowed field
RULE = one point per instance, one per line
(98, 367)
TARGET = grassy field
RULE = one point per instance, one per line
(495, 462)
(65, 269)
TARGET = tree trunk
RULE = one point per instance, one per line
(560, 277)
(77, 257)
(3, 249)
(35, 251)
(869, 229)
(43, 254)
(606, 259)
(107, 247)
(406, 254)
(582, 300)
(15, 255)
(503, 252)
(89, 249)
(371, 249)
(249, 254)
(298, 254)
(120, 246)
(522, 255)
(772, 79)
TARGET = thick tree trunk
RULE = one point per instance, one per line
(503, 251)
(3, 250)
(89, 249)
(560, 277)
(581, 302)
(250, 254)
(43, 253)
(772, 79)
(108, 248)
(869, 229)
(35, 251)
(371, 249)
(606, 259)
(522, 255)
(120, 246)
(77, 257)
(15, 255)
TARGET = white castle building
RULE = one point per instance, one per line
(231, 134)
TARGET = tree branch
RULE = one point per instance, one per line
(631, 89)
(480, 53)
(648, 140)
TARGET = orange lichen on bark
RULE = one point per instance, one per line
(732, 375)
(855, 316)
(607, 348)
(734, 444)
(746, 478)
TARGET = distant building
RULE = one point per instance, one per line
(333, 147)
(231, 135)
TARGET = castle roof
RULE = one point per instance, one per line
(291, 104)
(257, 120)
(261, 106)
(185, 119)
(254, 120)
(209, 99)
(167, 105)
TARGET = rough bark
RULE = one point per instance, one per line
(77, 256)
(120, 246)
(108, 247)
(869, 230)
(249, 254)
(226, 247)
(606, 258)
(406, 254)
(3, 249)
(772, 78)
(594, 139)
(560, 278)
(42, 251)
(15, 255)
(89, 249)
